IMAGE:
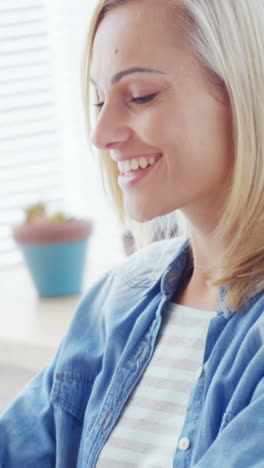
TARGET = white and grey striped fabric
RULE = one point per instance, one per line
(147, 432)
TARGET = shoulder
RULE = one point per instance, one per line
(122, 289)
(118, 290)
(253, 314)
(135, 274)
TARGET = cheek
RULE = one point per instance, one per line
(208, 136)
(164, 135)
(220, 139)
(147, 126)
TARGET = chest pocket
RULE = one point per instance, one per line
(71, 392)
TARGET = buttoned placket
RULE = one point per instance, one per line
(113, 406)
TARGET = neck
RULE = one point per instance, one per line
(208, 254)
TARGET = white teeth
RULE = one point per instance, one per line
(143, 162)
(124, 166)
(134, 164)
(128, 166)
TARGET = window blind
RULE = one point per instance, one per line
(30, 161)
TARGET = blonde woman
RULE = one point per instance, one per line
(163, 364)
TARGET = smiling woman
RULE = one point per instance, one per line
(196, 100)
(163, 362)
(155, 110)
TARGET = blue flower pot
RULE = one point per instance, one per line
(55, 254)
(56, 269)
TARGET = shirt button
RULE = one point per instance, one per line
(184, 444)
(199, 372)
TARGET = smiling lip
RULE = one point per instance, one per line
(137, 156)
(126, 182)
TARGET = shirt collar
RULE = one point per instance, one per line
(171, 277)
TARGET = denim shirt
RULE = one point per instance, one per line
(63, 416)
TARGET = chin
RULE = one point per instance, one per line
(141, 214)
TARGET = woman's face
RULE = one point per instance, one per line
(160, 109)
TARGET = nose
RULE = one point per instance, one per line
(111, 129)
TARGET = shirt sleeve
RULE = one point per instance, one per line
(27, 427)
(36, 430)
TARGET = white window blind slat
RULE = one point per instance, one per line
(11, 36)
(17, 116)
(28, 77)
(15, 174)
(22, 127)
(37, 139)
(21, 26)
(30, 157)
(22, 195)
(15, 122)
(23, 47)
(12, 12)
(25, 93)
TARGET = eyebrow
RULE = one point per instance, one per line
(118, 76)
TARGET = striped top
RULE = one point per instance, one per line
(147, 431)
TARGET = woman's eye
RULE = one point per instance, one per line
(144, 99)
(99, 104)
(138, 100)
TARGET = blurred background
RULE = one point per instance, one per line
(44, 156)
(43, 149)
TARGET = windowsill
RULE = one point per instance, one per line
(32, 327)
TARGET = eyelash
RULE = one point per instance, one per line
(138, 100)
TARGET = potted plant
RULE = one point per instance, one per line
(54, 247)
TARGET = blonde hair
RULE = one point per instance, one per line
(227, 38)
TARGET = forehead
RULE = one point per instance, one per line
(138, 33)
